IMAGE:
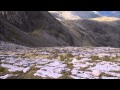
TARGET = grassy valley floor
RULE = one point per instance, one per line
(60, 63)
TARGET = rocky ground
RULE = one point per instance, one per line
(60, 63)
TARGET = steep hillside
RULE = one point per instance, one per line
(93, 33)
(32, 28)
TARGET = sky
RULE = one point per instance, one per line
(110, 13)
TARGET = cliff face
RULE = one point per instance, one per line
(39, 25)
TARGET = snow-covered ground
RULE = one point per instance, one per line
(61, 62)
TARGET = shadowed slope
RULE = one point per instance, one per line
(24, 24)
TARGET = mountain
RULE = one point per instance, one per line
(32, 28)
(94, 33)
(74, 15)
(42, 29)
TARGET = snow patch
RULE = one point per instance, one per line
(85, 59)
(104, 77)
(12, 68)
(26, 69)
(53, 70)
(47, 73)
(105, 66)
(7, 75)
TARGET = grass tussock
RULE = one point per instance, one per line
(3, 71)
(65, 56)
(66, 75)
(95, 58)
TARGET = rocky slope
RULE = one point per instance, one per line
(94, 33)
(32, 28)
(91, 28)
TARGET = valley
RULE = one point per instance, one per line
(59, 45)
